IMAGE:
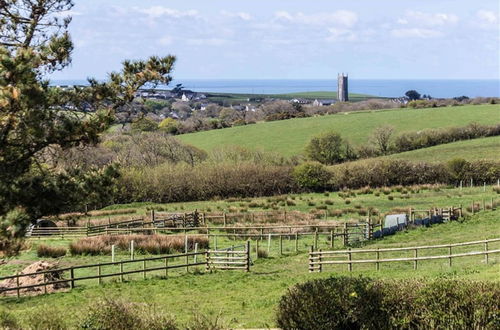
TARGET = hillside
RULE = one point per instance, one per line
(236, 98)
(485, 148)
(289, 137)
(245, 300)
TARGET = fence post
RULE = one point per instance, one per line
(113, 253)
(346, 238)
(316, 239)
(484, 205)
(215, 242)
(269, 244)
(311, 266)
(44, 283)
(132, 250)
(186, 251)
(195, 251)
(18, 291)
(281, 245)
(121, 272)
(256, 249)
(492, 204)
(460, 211)
(332, 237)
(296, 242)
(484, 186)
(207, 259)
(415, 261)
(377, 264)
(99, 274)
(486, 252)
(72, 277)
(320, 264)
(166, 267)
(449, 254)
(349, 257)
(153, 216)
(247, 250)
(144, 269)
(225, 218)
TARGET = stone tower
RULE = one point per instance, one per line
(342, 89)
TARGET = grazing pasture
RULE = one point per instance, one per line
(289, 137)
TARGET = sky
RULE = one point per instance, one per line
(290, 39)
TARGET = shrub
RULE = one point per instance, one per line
(110, 314)
(329, 149)
(311, 175)
(334, 303)
(44, 251)
(360, 303)
(261, 253)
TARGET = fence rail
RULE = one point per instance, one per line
(318, 259)
(211, 259)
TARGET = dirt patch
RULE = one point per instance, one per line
(35, 279)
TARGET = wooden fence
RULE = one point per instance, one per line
(211, 259)
(318, 259)
(229, 259)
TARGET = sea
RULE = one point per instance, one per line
(438, 88)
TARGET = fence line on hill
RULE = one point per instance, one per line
(318, 259)
(211, 259)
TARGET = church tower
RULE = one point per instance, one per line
(342, 89)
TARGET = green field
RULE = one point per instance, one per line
(486, 148)
(249, 300)
(238, 98)
(289, 137)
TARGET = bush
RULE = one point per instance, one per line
(110, 314)
(45, 251)
(334, 303)
(360, 303)
(312, 175)
(329, 149)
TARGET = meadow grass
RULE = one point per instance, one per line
(250, 299)
(289, 137)
(310, 202)
(485, 148)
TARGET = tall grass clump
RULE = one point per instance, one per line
(151, 244)
(45, 251)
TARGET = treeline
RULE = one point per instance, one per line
(331, 148)
(181, 182)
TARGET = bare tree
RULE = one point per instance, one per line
(381, 138)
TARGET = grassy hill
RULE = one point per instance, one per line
(248, 300)
(289, 137)
(486, 148)
(237, 98)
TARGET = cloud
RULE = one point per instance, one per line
(206, 42)
(427, 19)
(415, 33)
(341, 35)
(487, 17)
(166, 40)
(241, 15)
(160, 11)
(340, 17)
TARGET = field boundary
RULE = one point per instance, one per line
(318, 259)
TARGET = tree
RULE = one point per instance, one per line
(413, 95)
(312, 175)
(144, 124)
(35, 117)
(381, 138)
(329, 148)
